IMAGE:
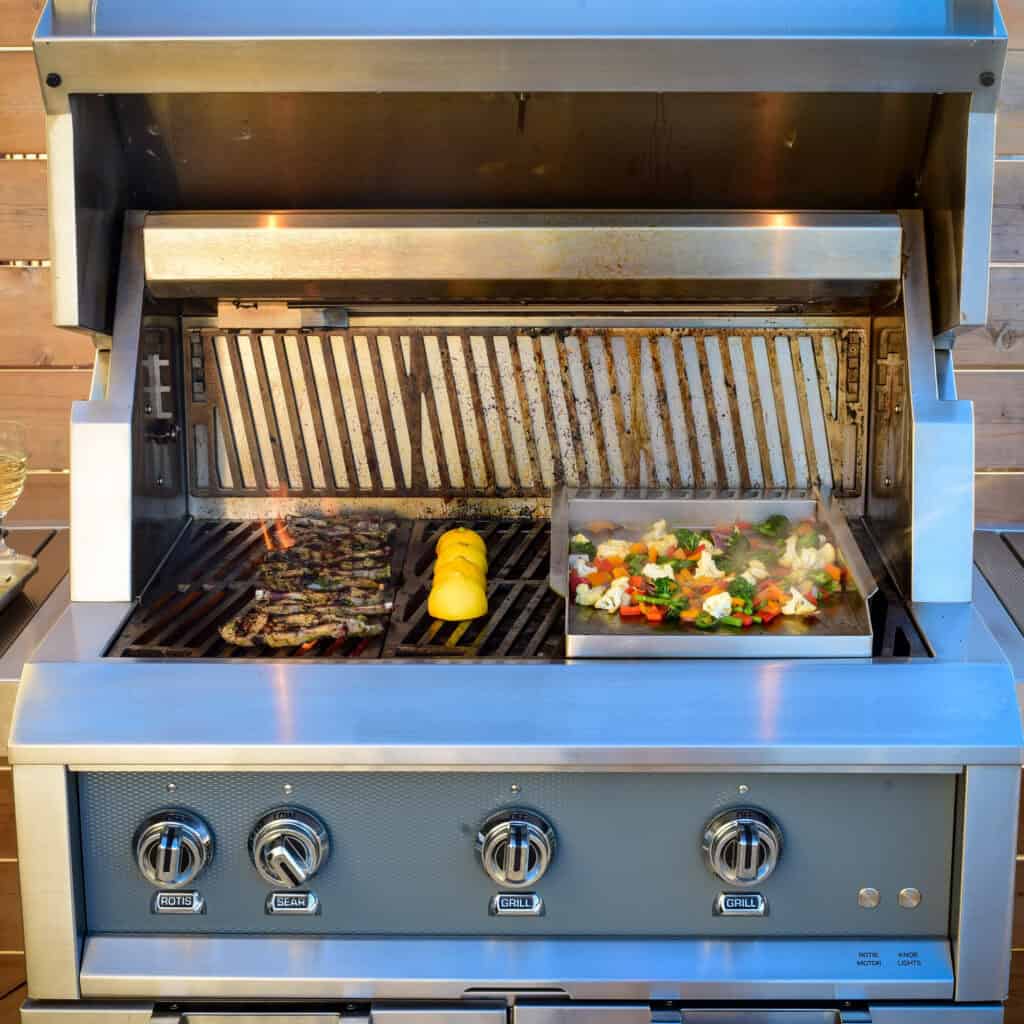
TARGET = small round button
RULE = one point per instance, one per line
(172, 847)
(909, 898)
(516, 847)
(869, 898)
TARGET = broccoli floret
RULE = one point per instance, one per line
(665, 587)
(737, 550)
(687, 539)
(583, 547)
(774, 526)
(741, 588)
(635, 564)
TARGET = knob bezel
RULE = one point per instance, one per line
(531, 827)
(726, 828)
(305, 834)
(195, 838)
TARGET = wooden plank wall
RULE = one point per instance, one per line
(42, 369)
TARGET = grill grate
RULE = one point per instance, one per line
(470, 411)
(211, 577)
(525, 618)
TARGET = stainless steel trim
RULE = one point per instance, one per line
(984, 888)
(62, 205)
(437, 1014)
(34, 1011)
(516, 904)
(976, 244)
(51, 907)
(292, 903)
(772, 713)
(227, 254)
(942, 530)
(569, 1013)
(102, 446)
(149, 54)
(197, 967)
(740, 904)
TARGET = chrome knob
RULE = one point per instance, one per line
(516, 847)
(172, 847)
(742, 846)
(289, 846)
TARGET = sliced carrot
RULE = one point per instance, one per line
(652, 553)
(631, 611)
(595, 579)
(618, 572)
(690, 614)
(638, 549)
(834, 571)
(615, 562)
(715, 590)
(738, 602)
(653, 612)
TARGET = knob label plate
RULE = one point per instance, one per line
(175, 902)
(291, 902)
(516, 904)
(740, 904)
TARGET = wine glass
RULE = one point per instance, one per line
(13, 470)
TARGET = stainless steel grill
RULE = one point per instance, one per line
(468, 263)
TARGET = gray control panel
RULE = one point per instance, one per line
(490, 853)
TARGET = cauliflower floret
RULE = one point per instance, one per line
(798, 604)
(614, 595)
(665, 546)
(755, 572)
(656, 532)
(613, 549)
(804, 560)
(580, 564)
(588, 596)
(718, 605)
(658, 572)
(706, 565)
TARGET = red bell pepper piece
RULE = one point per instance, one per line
(653, 612)
(631, 611)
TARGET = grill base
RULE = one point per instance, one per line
(211, 577)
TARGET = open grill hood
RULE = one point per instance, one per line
(778, 105)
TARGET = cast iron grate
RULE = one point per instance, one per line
(211, 577)
(525, 617)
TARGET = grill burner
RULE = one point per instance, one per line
(211, 577)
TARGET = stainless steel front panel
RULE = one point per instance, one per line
(628, 857)
(188, 967)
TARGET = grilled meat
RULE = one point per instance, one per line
(328, 583)
(260, 626)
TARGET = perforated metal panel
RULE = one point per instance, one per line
(479, 412)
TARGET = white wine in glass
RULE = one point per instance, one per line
(13, 470)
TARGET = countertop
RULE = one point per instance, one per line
(25, 621)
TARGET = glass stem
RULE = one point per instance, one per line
(5, 550)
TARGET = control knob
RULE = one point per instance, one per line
(289, 846)
(742, 846)
(172, 847)
(516, 847)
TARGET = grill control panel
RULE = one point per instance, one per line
(518, 853)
